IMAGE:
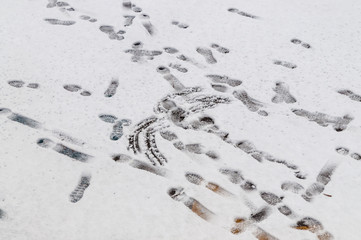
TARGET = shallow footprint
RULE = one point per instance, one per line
(207, 54)
(72, 87)
(78, 192)
(16, 83)
(54, 21)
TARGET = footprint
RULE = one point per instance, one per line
(137, 45)
(285, 210)
(168, 135)
(260, 214)
(54, 21)
(323, 178)
(219, 48)
(112, 89)
(33, 85)
(172, 80)
(108, 118)
(338, 123)
(234, 176)
(342, 150)
(219, 87)
(314, 226)
(356, 156)
(62, 149)
(78, 192)
(303, 44)
(180, 25)
(194, 148)
(353, 96)
(128, 20)
(282, 94)
(137, 9)
(235, 10)
(51, 3)
(88, 18)
(292, 186)
(271, 198)
(139, 54)
(178, 67)
(252, 104)
(2, 214)
(16, 83)
(178, 194)
(109, 30)
(122, 158)
(117, 132)
(285, 64)
(76, 88)
(62, 4)
(20, 84)
(147, 167)
(72, 87)
(224, 79)
(127, 4)
(207, 54)
(65, 137)
(20, 118)
(170, 50)
(84, 17)
(198, 180)
(149, 27)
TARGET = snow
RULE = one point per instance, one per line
(124, 201)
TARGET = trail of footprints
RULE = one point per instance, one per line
(240, 224)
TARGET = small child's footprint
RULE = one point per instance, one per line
(20, 84)
(180, 25)
(303, 44)
(54, 21)
(285, 64)
(76, 88)
(219, 48)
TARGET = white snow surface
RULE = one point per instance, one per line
(126, 202)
